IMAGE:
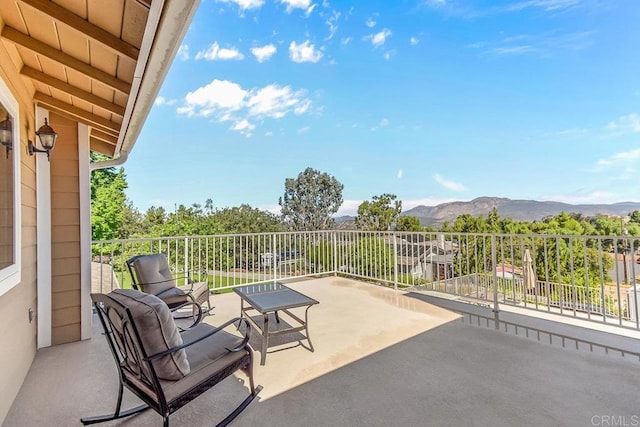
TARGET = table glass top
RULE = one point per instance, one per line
(273, 296)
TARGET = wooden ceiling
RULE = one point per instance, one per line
(79, 57)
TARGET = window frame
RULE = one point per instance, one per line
(10, 276)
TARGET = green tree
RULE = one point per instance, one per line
(379, 213)
(245, 219)
(493, 221)
(132, 222)
(107, 201)
(371, 257)
(310, 200)
(408, 223)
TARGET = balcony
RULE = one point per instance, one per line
(390, 349)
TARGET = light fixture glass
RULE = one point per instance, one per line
(6, 135)
(47, 136)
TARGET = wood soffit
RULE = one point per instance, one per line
(77, 56)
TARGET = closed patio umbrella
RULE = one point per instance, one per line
(527, 270)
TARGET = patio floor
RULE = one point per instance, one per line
(382, 358)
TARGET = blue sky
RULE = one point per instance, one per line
(431, 100)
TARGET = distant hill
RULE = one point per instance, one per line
(519, 210)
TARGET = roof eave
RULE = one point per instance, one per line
(167, 24)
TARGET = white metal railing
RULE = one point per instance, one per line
(591, 277)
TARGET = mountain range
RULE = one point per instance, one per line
(519, 210)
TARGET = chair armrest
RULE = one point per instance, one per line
(196, 320)
(239, 347)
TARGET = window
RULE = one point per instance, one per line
(9, 190)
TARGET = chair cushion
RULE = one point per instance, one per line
(207, 358)
(157, 330)
(174, 297)
(199, 291)
(152, 273)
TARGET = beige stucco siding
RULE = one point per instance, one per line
(19, 334)
(65, 233)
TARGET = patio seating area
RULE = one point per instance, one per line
(382, 357)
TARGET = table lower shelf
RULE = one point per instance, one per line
(268, 332)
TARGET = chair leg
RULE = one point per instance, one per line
(240, 408)
(165, 421)
(248, 369)
(117, 414)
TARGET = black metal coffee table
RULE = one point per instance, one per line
(271, 298)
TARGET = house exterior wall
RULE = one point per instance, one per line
(65, 233)
(18, 332)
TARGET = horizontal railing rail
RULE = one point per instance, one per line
(589, 277)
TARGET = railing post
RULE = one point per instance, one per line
(273, 258)
(494, 262)
(186, 255)
(334, 239)
(395, 262)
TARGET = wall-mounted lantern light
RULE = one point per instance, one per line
(47, 138)
(6, 136)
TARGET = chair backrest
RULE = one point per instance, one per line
(151, 273)
(138, 325)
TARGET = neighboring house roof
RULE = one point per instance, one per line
(507, 270)
(96, 64)
(412, 254)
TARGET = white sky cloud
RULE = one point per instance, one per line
(226, 101)
(273, 208)
(450, 185)
(302, 107)
(219, 94)
(597, 196)
(540, 44)
(245, 4)
(299, 4)
(379, 38)
(263, 53)
(382, 123)
(304, 129)
(215, 52)
(304, 52)
(414, 41)
(370, 23)
(388, 54)
(183, 52)
(350, 206)
(548, 5)
(399, 174)
(332, 23)
(625, 124)
(513, 50)
(272, 101)
(161, 100)
(244, 127)
(630, 156)
(345, 40)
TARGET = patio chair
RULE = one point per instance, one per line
(167, 369)
(151, 274)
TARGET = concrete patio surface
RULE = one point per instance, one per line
(382, 357)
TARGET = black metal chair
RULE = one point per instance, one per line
(167, 369)
(151, 274)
